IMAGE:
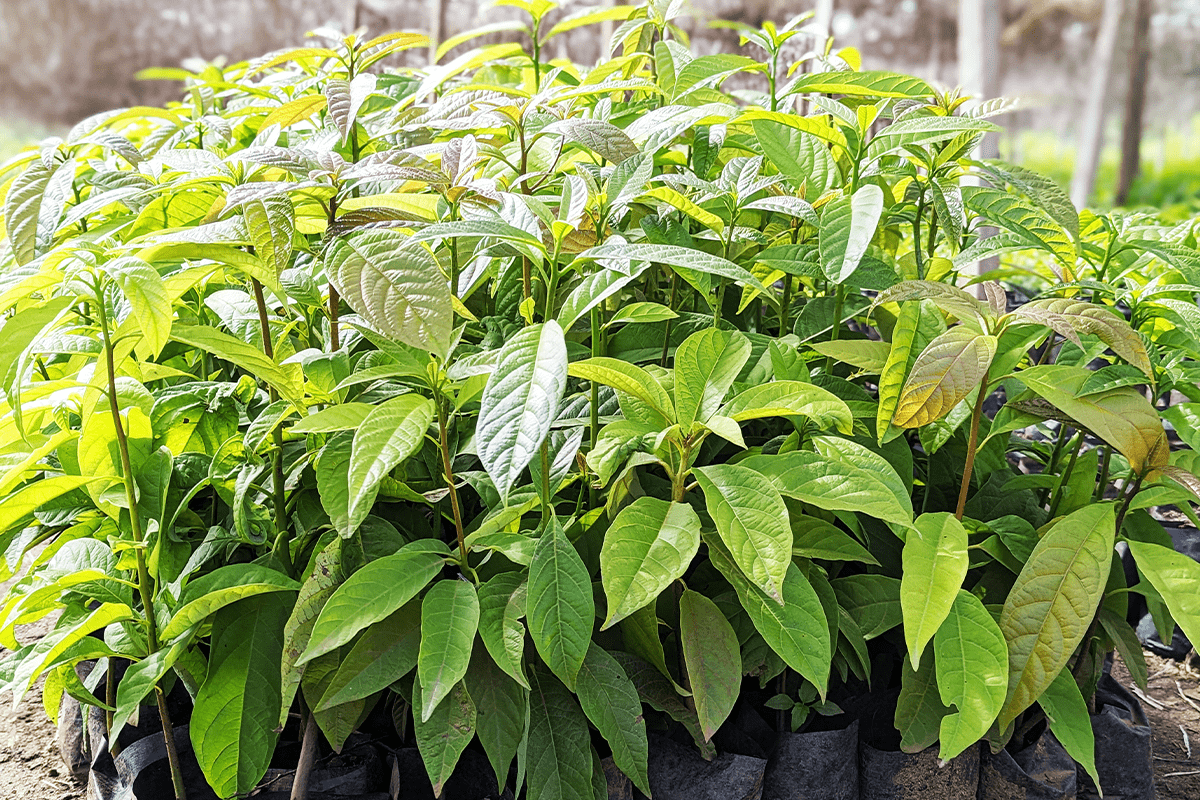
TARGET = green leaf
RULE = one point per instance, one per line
(800, 156)
(23, 202)
(706, 365)
(627, 378)
(396, 285)
(713, 658)
(847, 227)
(864, 354)
(33, 496)
(149, 302)
(502, 707)
(1032, 224)
(559, 756)
(347, 416)
(591, 291)
(916, 326)
(647, 547)
(392, 432)
(1067, 713)
(271, 222)
(935, 564)
(449, 620)
(972, 673)
(219, 588)
(336, 722)
(560, 606)
(675, 256)
(1121, 416)
(1051, 605)
(233, 725)
(833, 484)
(373, 593)
(442, 737)
(611, 702)
(601, 137)
(326, 575)
(139, 681)
(951, 299)
(816, 538)
(1177, 580)
(873, 601)
(385, 653)
(23, 329)
(501, 607)
(949, 369)
(752, 521)
(287, 379)
(919, 709)
(863, 84)
(790, 398)
(797, 631)
(345, 98)
(917, 131)
(520, 401)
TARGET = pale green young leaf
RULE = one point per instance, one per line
(502, 602)
(442, 737)
(628, 378)
(392, 432)
(972, 673)
(949, 369)
(271, 222)
(706, 365)
(219, 588)
(847, 226)
(1067, 714)
(790, 398)
(561, 610)
(611, 702)
(916, 326)
(558, 759)
(386, 652)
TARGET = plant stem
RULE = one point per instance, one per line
(1102, 484)
(448, 467)
(334, 297)
(308, 753)
(597, 350)
(145, 584)
(1066, 476)
(667, 331)
(278, 490)
(972, 443)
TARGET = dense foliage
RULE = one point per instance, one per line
(527, 398)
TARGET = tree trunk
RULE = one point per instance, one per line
(979, 27)
(1091, 126)
(1135, 101)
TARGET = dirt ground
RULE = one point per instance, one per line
(30, 767)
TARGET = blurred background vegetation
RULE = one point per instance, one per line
(65, 59)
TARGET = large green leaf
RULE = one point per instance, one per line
(139, 681)
(706, 365)
(386, 652)
(30, 497)
(233, 725)
(790, 398)
(752, 521)
(847, 227)
(392, 432)
(1071, 316)
(797, 630)
(832, 484)
(1123, 417)
(396, 285)
(501, 607)
(224, 585)
(646, 548)
(1051, 605)
(502, 706)
(949, 369)
(561, 610)
(1176, 578)
(442, 737)
(873, 601)
(1067, 713)
(683, 258)
(449, 620)
(713, 659)
(972, 673)
(611, 702)
(326, 575)
(871, 83)
(559, 756)
(373, 593)
(520, 401)
(347, 416)
(935, 564)
(914, 131)
(287, 379)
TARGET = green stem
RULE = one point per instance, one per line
(145, 584)
(281, 546)
(597, 350)
(667, 330)
(1102, 484)
(1066, 476)
(334, 298)
(448, 467)
(920, 262)
(972, 443)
